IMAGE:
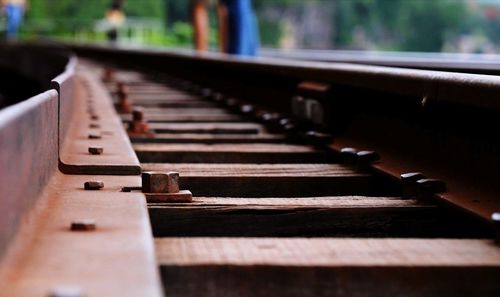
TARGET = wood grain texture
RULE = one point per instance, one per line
(309, 217)
(188, 118)
(228, 153)
(268, 180)
(328, 267)
(210, 138)
(28, 158)
(209, 128)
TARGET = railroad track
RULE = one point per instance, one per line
(252, 178)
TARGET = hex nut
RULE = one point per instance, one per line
(96, 150)
(160, 182)
(93, 185)
(83, 225)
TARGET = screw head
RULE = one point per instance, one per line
(83, 225)
(160, 182)
(93, 185)
(96, 150)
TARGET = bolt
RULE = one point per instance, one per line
(93, 185)
(409, 183)
(95, 136)
(247, 108)
(206, 92)
(138, 114)
(495, 217)
(319, 138)
(94, 117)
(217, 97)
(108, 75)
(83, 225)
(160, 182)
(427, 187)
(121, 88)
(94, 126)
(96, 150)
(365, 158)
(231, 102)
(66, 292)
(349, 155)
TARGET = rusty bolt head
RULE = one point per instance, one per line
(93, 185)
(349, 155)
(367, 157)
(432, 185)
(66, 292)
(83, 225)
(96, 150)
(495, 217)
(138, 114)
(121, 88)
(409, 183)
(319, 138)
(95, 136)
(94, 126)
(160, 182)
(94, 117)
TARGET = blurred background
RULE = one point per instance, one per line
(459, 26)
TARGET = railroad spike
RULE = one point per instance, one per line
(409, 187)
(366, 158)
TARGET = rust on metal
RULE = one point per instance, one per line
(93, 185)
(83, 225)
(96, 150)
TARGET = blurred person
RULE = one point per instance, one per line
(14, 12)
(237, 26)
(115, 18)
